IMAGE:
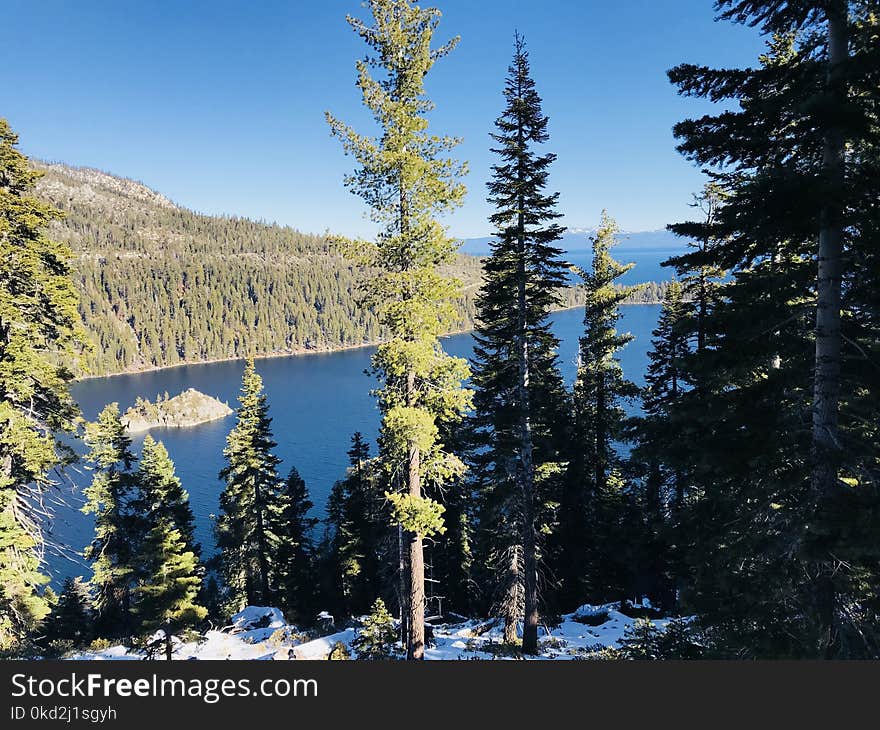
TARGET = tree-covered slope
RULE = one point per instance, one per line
(161, 285)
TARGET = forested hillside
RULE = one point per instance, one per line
(162, 285)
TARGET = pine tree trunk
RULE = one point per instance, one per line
(402, 587)
(826, 394)
(416, 645)
(526, 472)
(168, 644)
(261, 548)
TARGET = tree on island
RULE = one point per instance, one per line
(248, 499)
(407, 181)
(40, 340)
(519, 399)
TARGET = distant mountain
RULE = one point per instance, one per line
(577, 240)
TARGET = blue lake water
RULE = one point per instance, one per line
(316, 402)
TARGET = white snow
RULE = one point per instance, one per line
(260, 632)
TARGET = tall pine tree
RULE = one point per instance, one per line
(519, 394)
(40, 336)
(113, 551)
(248, 499)
(292, 545)
(789, 510)
(591, 558)
(407, 181)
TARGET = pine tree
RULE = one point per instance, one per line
(788, 511)
(40, 339)
(166, 598)
(641, 641)
(407, 182)
(591, 557)
(657, 456)
(248, 499)
(358, 534)
(378, 637)
(160, 493)
(72, 622)
(292, 545)
(519, 395)
(113, 551)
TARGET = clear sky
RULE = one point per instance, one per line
(219, 103)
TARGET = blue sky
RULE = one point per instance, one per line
(219, 104)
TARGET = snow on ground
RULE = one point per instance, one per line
(262, 633)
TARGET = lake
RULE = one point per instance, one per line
(316, 402)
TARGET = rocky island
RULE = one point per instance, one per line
(190, 408)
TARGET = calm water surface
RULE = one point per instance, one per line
(316, 403)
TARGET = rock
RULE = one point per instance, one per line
(190, 408)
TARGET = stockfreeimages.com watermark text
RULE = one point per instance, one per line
(208, 690)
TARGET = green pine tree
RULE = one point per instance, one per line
(40, 337)
(407, 182)
(248, 499)
(292, 546)
(166, 599)
(520, 397)
(113, 551)
(377, 639)
(591, 552)
(161, 495)
(657, 455)
(72, 623)
(782, 516)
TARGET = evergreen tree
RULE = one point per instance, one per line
(113, 551)
(40, 336)
(166, 598)
(519, 394)
(407, 182)
(378, 637)
(160, 493)
(786, 512)
(72, 622)
(293, 549)
(356, 527)
(591, 556)
(248, 499)
(657, 458)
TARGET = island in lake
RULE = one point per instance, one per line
(190, 408)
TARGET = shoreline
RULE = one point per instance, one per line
(296, 353)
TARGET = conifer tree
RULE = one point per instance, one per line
(293, 549)
(407, 181)
(40, 338)
(656, 454)
(113, 551)
(519, 395)
(72, 623)
(378, 637)
(358, 533)
(590, 556)
(248, 499)
(788, 513)
(160, 493)
(166, 599)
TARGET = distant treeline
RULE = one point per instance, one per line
(161, 285)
